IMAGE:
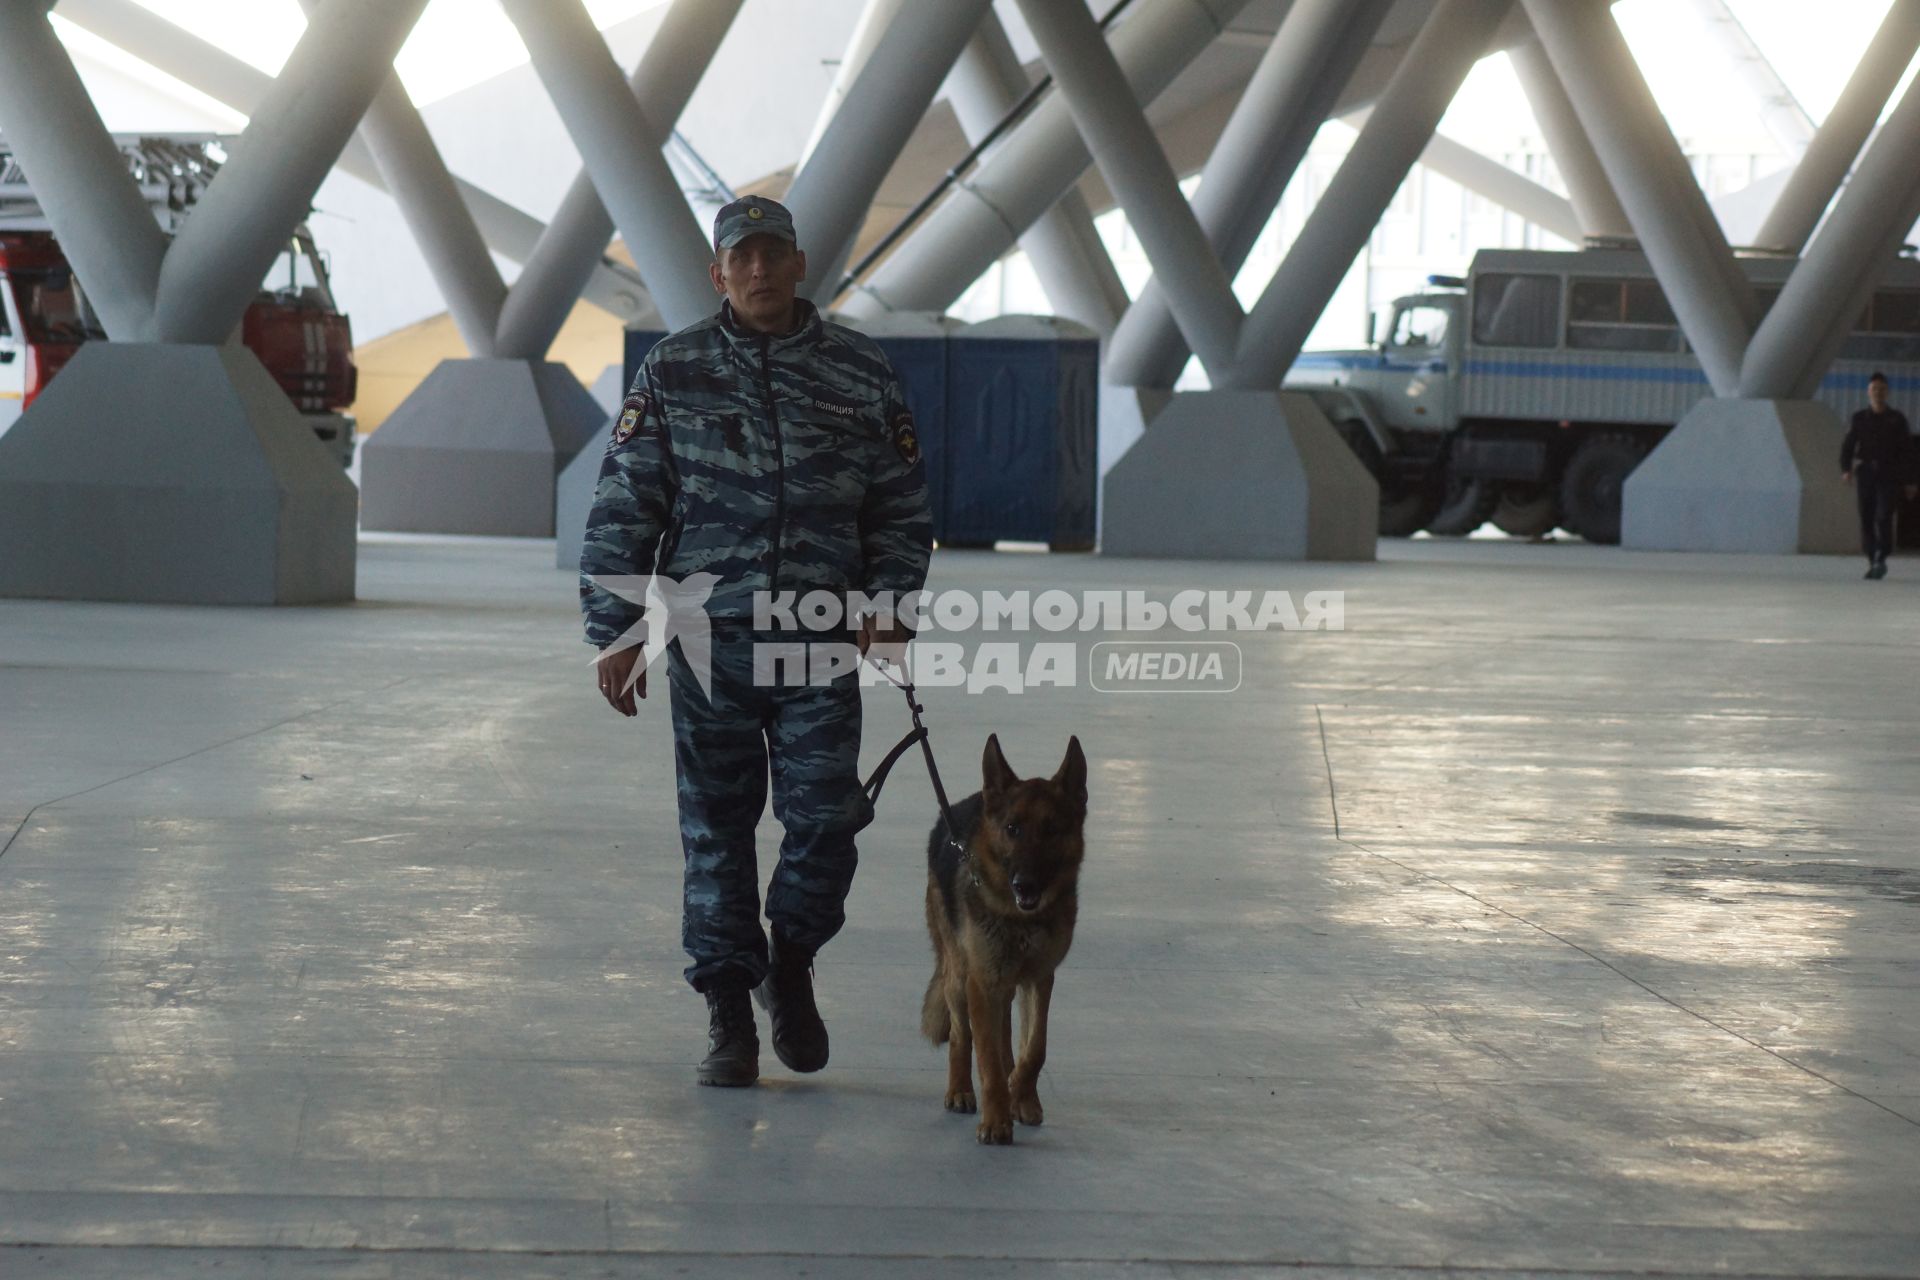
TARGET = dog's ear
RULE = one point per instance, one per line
(1072, 777)
(994, 768)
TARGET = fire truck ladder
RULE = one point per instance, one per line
(171, 170)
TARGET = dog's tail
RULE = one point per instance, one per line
(935, 1019)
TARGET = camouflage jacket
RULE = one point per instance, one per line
(782, 463)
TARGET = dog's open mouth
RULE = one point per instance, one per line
(1028, 901)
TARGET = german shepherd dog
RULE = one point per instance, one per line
(1001, 914)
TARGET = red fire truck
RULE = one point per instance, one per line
(293, 324)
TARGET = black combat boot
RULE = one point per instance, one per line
(799, 1037)
(733, 1046)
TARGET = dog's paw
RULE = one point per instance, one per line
(1027, 1110)
(994, 1133)
(960, 1100)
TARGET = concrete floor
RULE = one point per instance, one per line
(1557, 916)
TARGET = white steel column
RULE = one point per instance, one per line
(1455, 35)
(78, 173)
(1797, 209)
(218, 257)
(1712, 299)
(1136, 168)
(830, 196)
(1796, 342)
(1068, 256)
(1781, 114)
(1299, 78)
(138, 30)
(1040, 160)
(429, 201)
(617, 143)
(873, 23)
(241, 88)
(571, 246)
(1594, 202)
(417, 176)
(1487, 177)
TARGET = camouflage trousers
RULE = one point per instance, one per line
(724, 748)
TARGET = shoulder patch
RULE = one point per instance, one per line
(904, 438)
(631, 412)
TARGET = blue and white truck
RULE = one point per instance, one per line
(1526, 392)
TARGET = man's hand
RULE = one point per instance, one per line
(1910, 491)
(888, 644)
(1846, 477)
(613, 670)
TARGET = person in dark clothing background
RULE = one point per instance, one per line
(1876, 458)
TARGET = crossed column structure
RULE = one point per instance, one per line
(164, 464)
(490, 434)
(1763, 367)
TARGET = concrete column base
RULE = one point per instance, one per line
(174, 474)
(609, 389)
(573, 487)
(1124, 415)
(1240, 475)
(476, 449)
(1744, 475)
(573, 502)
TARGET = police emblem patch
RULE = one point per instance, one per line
(631, 412)
(905, 440)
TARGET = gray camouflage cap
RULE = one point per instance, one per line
(750, 216)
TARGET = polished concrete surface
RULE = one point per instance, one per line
(1562, 915)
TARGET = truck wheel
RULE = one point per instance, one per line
(1526, 510)
(1465, 507)
(1405, 505)
(1405, 508)
(1590, 487)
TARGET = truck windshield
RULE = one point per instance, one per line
(299, 273)
(1422, 327)
(51, 308)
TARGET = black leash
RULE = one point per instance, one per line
(917, 734)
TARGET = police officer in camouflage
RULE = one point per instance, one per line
(773, 450)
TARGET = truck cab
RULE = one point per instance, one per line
(1412, 382)
(43, 320)
(1404, 374)
(1396, 399)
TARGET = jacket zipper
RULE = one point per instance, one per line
(780, 466)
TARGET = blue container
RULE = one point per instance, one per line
(638, 343)
(916, 346)
(1021, 433)
(1007, 413)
